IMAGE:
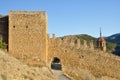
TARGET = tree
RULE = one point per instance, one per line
(111, 46)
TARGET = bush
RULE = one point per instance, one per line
(3, 45)
(111, 46)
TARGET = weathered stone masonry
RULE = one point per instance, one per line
(28, 34)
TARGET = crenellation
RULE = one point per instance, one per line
(85, 44)
(78, 43)
(72, 42)
(26, 12)
(64, 40)
(53, 36)
(58, 41)
(91, 45)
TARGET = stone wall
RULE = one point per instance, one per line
(28, 35)
(72, 42)
(60, 46)
(29, 40)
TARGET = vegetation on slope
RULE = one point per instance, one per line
(3, 45)
(111, 46)
(116, 40)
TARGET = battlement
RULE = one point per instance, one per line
(26, 12)
(72, 42)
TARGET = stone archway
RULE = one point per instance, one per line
(56, 64)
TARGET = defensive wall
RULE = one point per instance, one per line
(59, 47)
(27, 37)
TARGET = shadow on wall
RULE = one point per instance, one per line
(56, 64)
(4, 28)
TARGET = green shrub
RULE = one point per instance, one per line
(111, 46)
(3, 45)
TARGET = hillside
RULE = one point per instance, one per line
(13, 69)
(115, 39)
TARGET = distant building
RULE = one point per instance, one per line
(101, 42)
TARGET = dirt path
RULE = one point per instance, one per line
(59, 75)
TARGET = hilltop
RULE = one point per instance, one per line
(115, 38)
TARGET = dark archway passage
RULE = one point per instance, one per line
(56, 64)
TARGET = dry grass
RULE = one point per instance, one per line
(13, 69)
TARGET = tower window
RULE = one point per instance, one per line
(26, 26)
(13, 26)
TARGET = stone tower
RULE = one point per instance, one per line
(28, 34)
(101, 42)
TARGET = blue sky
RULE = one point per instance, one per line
(68, 17)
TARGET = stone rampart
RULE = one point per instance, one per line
(71, 42)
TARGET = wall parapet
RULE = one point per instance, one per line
(71, 42)
(26, 12)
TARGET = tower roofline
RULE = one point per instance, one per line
(26, 12)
